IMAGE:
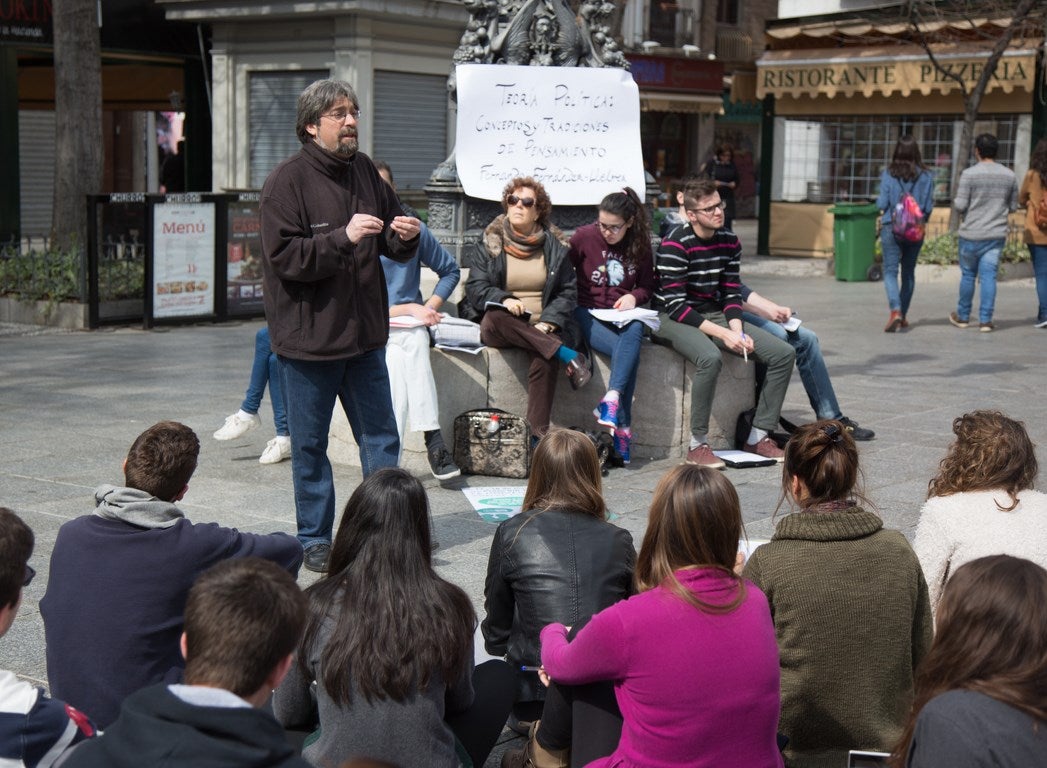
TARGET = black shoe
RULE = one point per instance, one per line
(858, 433)
(442, 465)
(316, 557)
(579, 371)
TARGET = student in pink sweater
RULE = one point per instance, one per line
(693, 657)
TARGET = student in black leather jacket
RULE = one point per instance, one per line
(559, 560)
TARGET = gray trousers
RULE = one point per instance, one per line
(706, 353)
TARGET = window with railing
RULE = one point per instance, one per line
(841, 158)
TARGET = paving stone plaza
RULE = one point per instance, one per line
(71, 403)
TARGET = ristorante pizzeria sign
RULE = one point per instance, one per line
(783, 73)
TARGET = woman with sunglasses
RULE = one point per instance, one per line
(615, 270)
(849, 602)
(523, 291)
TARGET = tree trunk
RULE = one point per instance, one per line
(78, 119)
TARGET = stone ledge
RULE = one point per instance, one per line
(497, 378)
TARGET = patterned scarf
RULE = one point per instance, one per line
(831, 506)
(521, 246)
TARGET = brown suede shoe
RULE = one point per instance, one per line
(703, 456)
(766, 448)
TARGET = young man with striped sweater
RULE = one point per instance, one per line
(700, 306)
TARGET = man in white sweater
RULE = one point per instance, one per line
(987, 194)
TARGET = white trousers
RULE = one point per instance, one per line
(411, 380)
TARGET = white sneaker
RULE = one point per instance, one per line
(276, 450)
(237, 425)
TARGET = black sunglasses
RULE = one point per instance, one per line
(526, 202)
(29, 574)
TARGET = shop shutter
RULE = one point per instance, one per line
(272, 111)
(36, 172)
(410, 125)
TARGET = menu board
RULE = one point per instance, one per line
(183, 258)
(244, 256)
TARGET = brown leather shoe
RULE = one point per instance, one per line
(703, 456)
(579, 371)
(534, 755)
(766, 448)
(894, 322)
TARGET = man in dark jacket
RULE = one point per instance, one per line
(119, 577)
(243, 620)
(326, 217)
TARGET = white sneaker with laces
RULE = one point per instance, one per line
(276, 450)
(237, 425)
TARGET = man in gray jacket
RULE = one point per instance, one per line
(987, 194)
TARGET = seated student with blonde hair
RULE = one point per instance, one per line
(243, 620)
(982, 501)
(119, 577)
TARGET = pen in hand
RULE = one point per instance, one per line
(745, 352)
(529, 669)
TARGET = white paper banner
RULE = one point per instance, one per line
(574, 129)
(183, 259)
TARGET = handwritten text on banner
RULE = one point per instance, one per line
(574, 129)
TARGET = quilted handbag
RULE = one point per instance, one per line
(489, 441)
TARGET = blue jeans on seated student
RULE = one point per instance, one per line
(361, 383)
(809, 362)
(897, 255)
(266, 370)
(978, 259)
(623, 346)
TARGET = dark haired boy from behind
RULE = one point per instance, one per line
(119, 577)
(34, 729)
(243, 620)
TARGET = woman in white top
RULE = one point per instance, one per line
(981, 502)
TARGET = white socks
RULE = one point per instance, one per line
(755, 436)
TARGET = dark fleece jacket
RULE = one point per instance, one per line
(325, 298)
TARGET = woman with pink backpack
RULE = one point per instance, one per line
(906, 199)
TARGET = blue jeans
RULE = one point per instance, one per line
(897, 255)
(978, 259)
(361, 383)
(266, 370)
(1039, 266)
(623, 345)
(809, 362)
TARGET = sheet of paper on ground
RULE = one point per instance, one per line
(495, 503)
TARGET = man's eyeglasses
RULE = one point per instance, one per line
(526, 202)
(710, 210)
(611, 229)
(339, 115)
(29, 574)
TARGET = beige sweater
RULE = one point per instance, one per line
(852, 618)
(956, 529)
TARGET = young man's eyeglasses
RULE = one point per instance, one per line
(339, 115)
(611, 229)
(710, 210)
(526, 202)
(29, 574)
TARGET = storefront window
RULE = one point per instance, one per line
(841, 158)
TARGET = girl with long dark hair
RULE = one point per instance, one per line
(615, 269)
(981, 501)
(692, 657)
(849, 603)
(981, 693)
(389, 645)
(558, 560)
(905, 175)
(1034, 188)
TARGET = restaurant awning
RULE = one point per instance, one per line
(884, 70)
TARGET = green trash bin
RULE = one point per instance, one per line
(854, 239)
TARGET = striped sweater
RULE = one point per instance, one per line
(696, 275)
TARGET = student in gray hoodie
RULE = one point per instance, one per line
(119, 577)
